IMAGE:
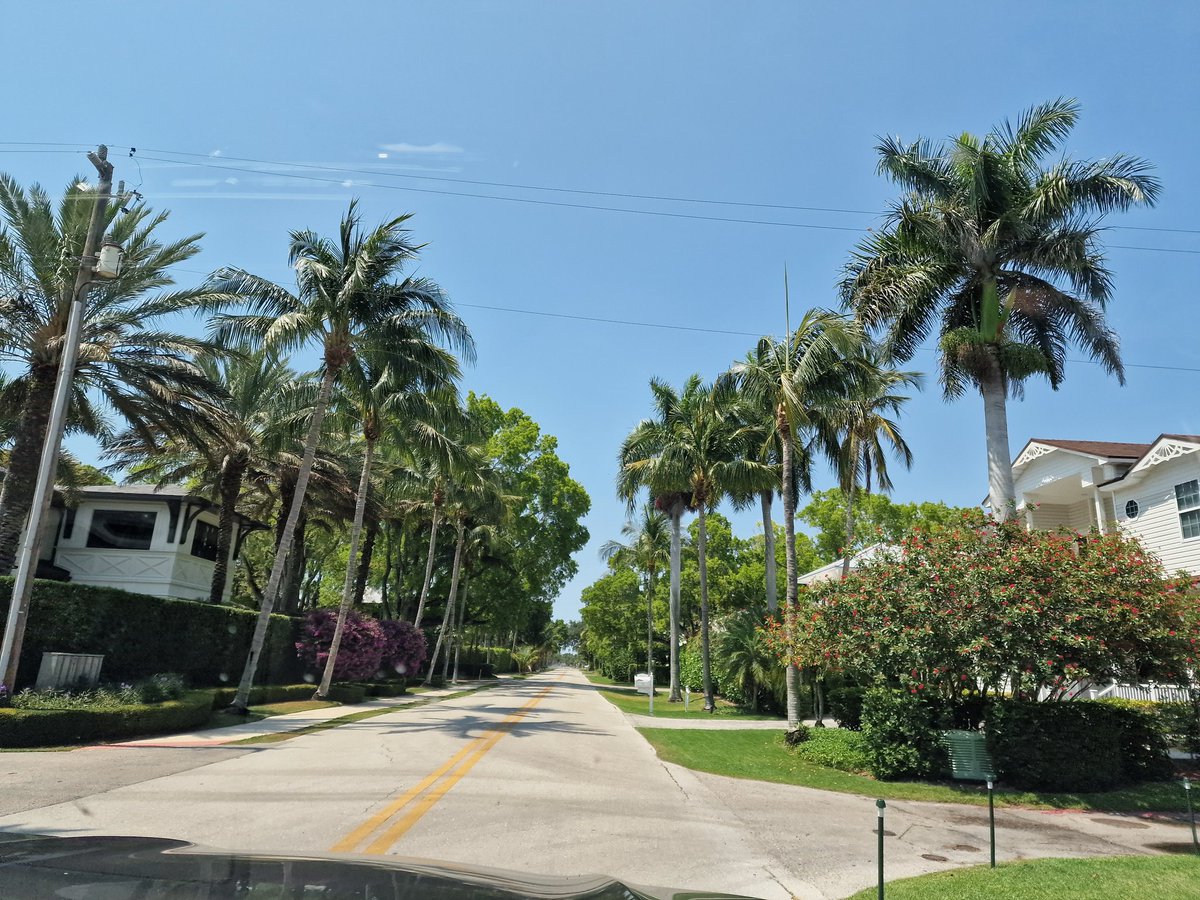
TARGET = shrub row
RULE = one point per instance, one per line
(141, 635)
(263, 694)
(1078, 746)
(47, 728)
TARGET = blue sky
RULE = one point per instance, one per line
(770, 103)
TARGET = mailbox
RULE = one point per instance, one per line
(643, 683)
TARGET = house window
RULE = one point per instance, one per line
(1187, 498)
(204, 544)
(1131, 509)
(121, 529)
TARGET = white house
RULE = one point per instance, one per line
(159, 541)
(1149, 491)
(833, 571)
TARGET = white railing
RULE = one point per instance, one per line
(1156, 693)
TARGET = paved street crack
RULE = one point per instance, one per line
(677, 784)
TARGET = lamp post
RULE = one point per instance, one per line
(106, 265)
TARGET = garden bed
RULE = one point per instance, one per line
(56, 727)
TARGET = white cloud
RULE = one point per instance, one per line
(231, 181)
(382, 155)
(438, 147)
(215, 153)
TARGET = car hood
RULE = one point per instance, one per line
(116, 868)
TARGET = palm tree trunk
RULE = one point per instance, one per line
(370, 535)
(230, 488)
(676, 542)
(769, 548)
(848, 550)
(458, 630)
(356, 527)
(297, 560)
(792, 676)
(385, 584)
(701, 556)
(16, 495)
(241, 701)
(450, 602)
(433, 529)
(1002, 493)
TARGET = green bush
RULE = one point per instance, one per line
(348, 693)
(900, 735)
(845, 706)
(691, 669)
(141, 635)
(1180, 723)
(1083, 745)
(53, 727)
(837, 749)
(386, 688)
(798, 735)
(499, 658)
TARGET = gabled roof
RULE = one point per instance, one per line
(1109, 449)
(1165, 447)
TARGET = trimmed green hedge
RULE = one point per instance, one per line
(845, 705)
(49, 728)
(141, 635)
(1083, 745)
(265, 693)
(386, 688)
(901, 734)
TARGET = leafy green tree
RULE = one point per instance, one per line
(997, 251)
(648, 549)
(127, 359)
(879, 518)
(351, 298)
(612, 623)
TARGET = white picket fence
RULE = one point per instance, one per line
(1158, 693)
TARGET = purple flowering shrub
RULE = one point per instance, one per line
(404, 649)
(360, 655)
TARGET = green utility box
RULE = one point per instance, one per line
(969, 757)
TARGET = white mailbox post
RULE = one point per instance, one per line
(643, 683)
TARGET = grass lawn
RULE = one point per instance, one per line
(1160, 877)
(762, 755)
(624, 698)
(223, 719)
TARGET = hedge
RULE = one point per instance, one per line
(499, 658)
(1082, 745)
(266, 693)
(141, 635)
(48, 728)
(901, 732)
(845, 705)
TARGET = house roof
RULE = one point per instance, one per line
(151, 492)
(1110, 449)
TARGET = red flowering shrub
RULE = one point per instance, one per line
(404, 648)
(975, 603)
(361, 650)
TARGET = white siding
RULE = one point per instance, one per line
(1050, 516)
(1157, 524)
(1051, 467)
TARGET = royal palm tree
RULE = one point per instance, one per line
(639, 467)
(794, 381)
(699, 452)
(997, 250)
(126, 358)
(865, 428)
(351, 298)
(647, 547)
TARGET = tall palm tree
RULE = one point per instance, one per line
(237, 440)
(126, 359)
(382, 389)
(699, 452)
(865, 427)
(647, 547)
(997, 250)
(350, 298)
(794, 381)
(639, 466)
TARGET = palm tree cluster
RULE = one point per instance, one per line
(376, 441)
(993, 247)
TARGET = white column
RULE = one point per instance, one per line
(1101, 519)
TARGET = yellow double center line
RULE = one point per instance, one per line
(430, 789)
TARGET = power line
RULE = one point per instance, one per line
(530, 187)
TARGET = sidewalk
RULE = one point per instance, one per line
(215, 737)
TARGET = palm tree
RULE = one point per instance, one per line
(746, 661)
(999, 252)
(348, 301)
(699, 452)
(639, 467)
(647, 547)
(238, 439)
(794, 381)
(382, 389)
(865, 430)
(125, 357)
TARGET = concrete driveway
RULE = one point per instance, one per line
(542, 776)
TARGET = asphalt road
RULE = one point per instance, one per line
(541, 776)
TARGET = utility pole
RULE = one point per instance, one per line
(18, 608)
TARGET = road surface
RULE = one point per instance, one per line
(542, 776)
